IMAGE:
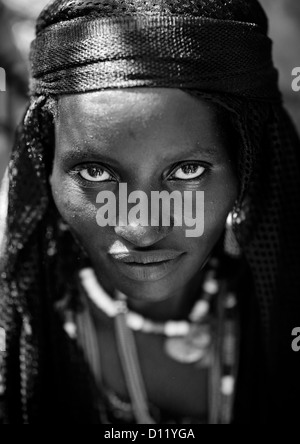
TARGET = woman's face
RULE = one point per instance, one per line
(151, 140)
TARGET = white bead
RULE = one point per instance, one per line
(230, 301)
(227, 385)
(177, 329)
(27, 327)
(86, 273)
(135, 322)
(229, 220)
(70, 329)
(199, 311)
(97, 294)
(211, 286)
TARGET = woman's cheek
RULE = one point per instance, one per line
(218, 205)
(74, 205)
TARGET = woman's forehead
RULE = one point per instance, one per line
(135, 104)
(139, 120)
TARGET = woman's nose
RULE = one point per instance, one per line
(141, 236)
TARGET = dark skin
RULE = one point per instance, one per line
(151, 139)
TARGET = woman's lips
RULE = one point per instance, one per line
(150, 266)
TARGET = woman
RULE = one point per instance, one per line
(131, 322)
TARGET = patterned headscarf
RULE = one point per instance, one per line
(218, 50)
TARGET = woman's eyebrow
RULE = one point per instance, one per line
(197, 151)
(91, 152)
(86, 154)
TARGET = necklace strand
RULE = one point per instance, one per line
(221, 380)
(137, 322)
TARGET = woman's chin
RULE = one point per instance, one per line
(147, 293)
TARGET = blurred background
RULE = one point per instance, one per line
(17, 18)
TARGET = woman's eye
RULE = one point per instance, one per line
(188, 172)
(95, 174)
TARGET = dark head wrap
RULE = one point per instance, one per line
(216, 49)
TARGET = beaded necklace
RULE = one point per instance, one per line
(197, 341)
